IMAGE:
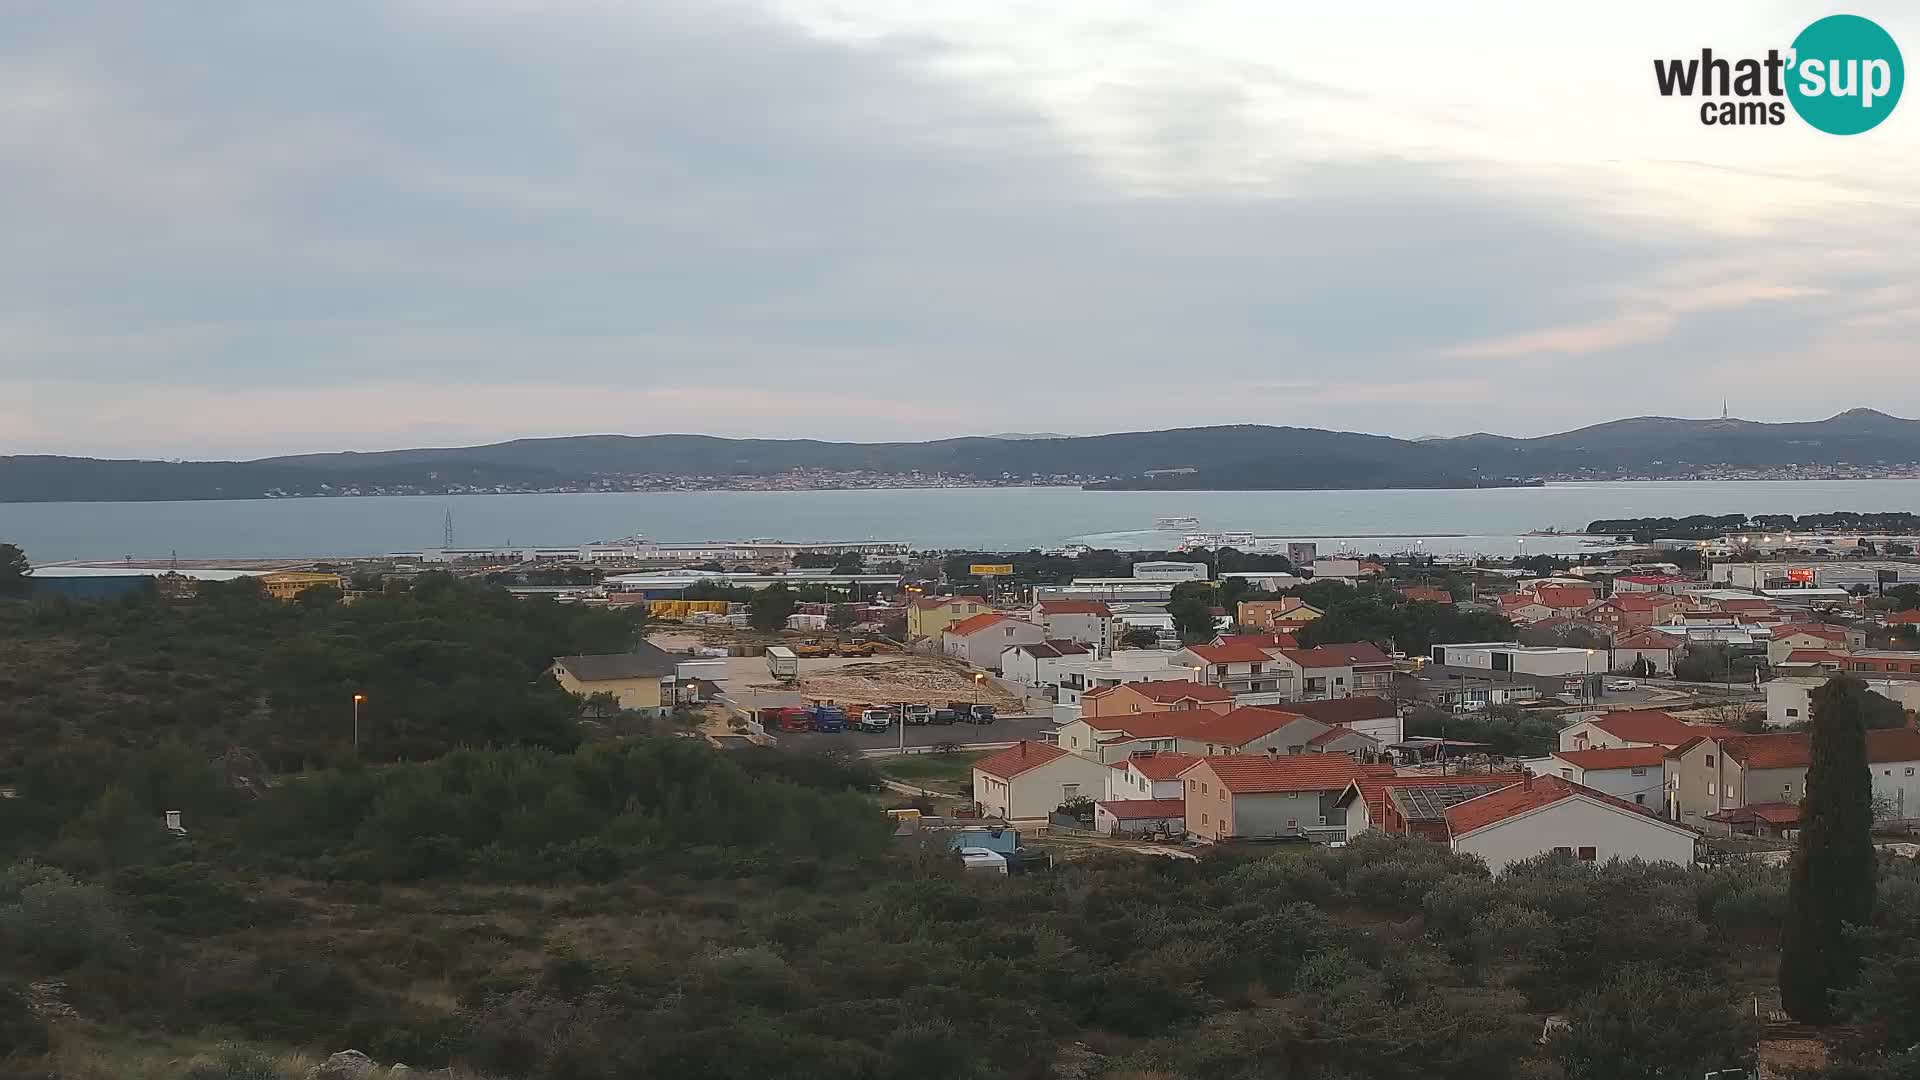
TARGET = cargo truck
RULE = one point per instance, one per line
(782, 664)
(829, 719)
(876, 721)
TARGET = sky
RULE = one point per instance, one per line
(236, 229)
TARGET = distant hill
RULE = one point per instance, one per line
(1246, 456)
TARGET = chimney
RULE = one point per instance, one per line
(1526, 781)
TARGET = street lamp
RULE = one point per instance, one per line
(357, 699)
(978, 678)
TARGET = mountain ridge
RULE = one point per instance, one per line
(1236, 456)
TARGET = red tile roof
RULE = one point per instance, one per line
(1252, 774)
(1819, 630)
(1335, 734)
(1903, 618)
(1778, 814)
(1756, 604)
(1164, 765)
(1329, 656)
(1242, 726)
(1530, 794)
(1782, 750)
(1632, 757)
(1074, 607)
(1231, 654)
(1652, 726)
(1422, 594)
(976, 623)
(1564, 596)
(1145, 809)
(1641, 601)
(1374, 789)
(1178, 724)
(1022, 756)
(1814, 656)
(1171, 690)
(1893, 744)
(1265, 641)
(1647, 640)
(1346, 710)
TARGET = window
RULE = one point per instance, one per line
(1293, 823)
(1640, 799)
(1563, 851)
(1709, 761)
(1567, 773)
(1909, 770)
(1069, 791)
(1786, 789)
(1588, 854)
(1203, 819)
(1709, 787)
(1640, 770)
(1793, 712)
(1203, 789)
(1223, 794)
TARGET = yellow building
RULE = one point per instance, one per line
(288, 584)
(930, 617)
(637, 680)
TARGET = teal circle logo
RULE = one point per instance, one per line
(1847, 75)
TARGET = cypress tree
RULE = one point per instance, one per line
(1833, 866)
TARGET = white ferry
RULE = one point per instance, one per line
(1176, 523)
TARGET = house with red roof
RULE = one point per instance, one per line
(1901, 618)
(980, 640)
(1148, 774)
(1884, 663)
(1285, 615)
(1413, 805)
(1811, 662)
(1644, 583)
(1029, 779)
(1240, 669)
(1824, 637)
(1269, 640)
(1624, 612)
(1713, 774)
(1378, 718)
(1425, 594)
(1631, 727)
(1637, 774)
(1141, 817)
(1256, 730)
(1656, 648)
(1089, 622)
(1546, 814)
(1335, 671)
(1115, 721)
(929, 616)
(1247, 797)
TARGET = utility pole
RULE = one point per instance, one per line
(357, 699)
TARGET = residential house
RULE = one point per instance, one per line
(1552, 814)
(1772, 820)
(1657, 649)
(1710, 773)
(1246, 671)
(1269, 640)
(981, 639)
(1029, 779)
(1108, 739)
(1650, 583)
(1625, 612)
(1901, 618)
(1337, 671)
(1043, 663)
(929, 616)
(1089, 622)
(1356, 745)
(1375, 717)
(1141, 817)
(1789, 638)
(1425, 594)
(1631, 727)
(1636, 774)
(1717, 775)
(289, 584)
(1286, 615)
(637, 680)
(1413, 805)
(1885, 664)
(1249, 797)
(1172, 695)
(1124, 666)
(1523, 609)
(1820, 664)
(1254, 731)
(1148, 774)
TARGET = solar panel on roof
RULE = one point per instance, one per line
(1429, 803)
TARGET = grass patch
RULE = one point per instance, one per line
(931, 770)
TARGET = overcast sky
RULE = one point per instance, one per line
(245, 227)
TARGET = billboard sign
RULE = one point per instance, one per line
(990, 569)
(1801, 575)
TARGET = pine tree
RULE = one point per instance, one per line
(1833, 867)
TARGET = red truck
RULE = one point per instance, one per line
(791, 718)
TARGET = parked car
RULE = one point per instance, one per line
(1622, 684)
(1470, 707)
(875, 721)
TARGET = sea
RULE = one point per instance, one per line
(1491, 521)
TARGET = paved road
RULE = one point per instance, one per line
(1006, 729)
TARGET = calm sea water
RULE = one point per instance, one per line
(1488, 521)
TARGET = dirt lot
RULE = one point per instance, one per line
(903, 678)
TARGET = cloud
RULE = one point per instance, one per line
(423, 222)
